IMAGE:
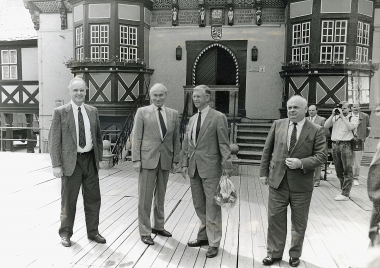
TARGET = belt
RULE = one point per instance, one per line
(84, 153)
(341, 142)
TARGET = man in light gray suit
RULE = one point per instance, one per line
(293, 149)
(75, 145)
(206, 154)
(155, 151)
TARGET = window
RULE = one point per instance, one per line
(99, 41)
(333, 41)
(300, 42)
(358, 88)
(362, 41)
(79, 43)
(128, 42)
(9, 64)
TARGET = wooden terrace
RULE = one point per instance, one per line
(30, 204)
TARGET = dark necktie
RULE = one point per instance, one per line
(199, 122)
(82, 133)
(162, 122)
(293, 137)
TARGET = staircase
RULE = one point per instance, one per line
(251, 139)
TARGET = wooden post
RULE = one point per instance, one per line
(29, 133)
(9, 132)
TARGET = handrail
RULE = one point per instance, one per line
(184, 120)
(126, 131)
(26, 139)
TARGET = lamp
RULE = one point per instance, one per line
(254, 53)
(178, 53)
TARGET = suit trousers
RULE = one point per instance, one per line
(357, 158)
(85, 174)
(152, 184)
(210, 214)
(278, 202)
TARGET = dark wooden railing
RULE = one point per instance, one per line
(126, 131)
(184, 118)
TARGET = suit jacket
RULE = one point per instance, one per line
(212, 152)
(147, 145)
(319, 120)
(362, 131)
(63, 137)
(373, 181)
(310, 149)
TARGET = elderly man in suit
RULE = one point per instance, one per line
(319, 120)
(155, 151)
(293, 149)
(75, 145)
(206, 154)
(363, 127)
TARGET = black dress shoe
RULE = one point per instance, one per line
(98, 239)
(147, 240)
(269, 260)
(197, 243)
(161, 232)
(294, 262)
(65, 241)
(212, 252)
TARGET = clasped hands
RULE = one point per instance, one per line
(185, 172)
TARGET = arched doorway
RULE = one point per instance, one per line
(217, 66)
(221, 66)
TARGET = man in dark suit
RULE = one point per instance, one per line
(293, 149)
(75, 145)
(155, 151)
(319, 120)
(206, 154)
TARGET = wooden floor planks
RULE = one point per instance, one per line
(336, 235)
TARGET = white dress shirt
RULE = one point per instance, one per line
(312, 118)
(163, 113)
(355, 121)
(87, 128)
(299, 129)
(203, 117)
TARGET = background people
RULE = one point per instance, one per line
(293, 149)
(341, 137)
(155, 151)
(206, 154)
(363, 127)
(76, 160)
(319, 120)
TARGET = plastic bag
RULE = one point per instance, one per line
(225, 195)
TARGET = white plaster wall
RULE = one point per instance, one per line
(264, 89)
(55, 46)
(29, 63)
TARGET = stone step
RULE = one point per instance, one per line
(244, 152)
(251, 140)
(250, 162)
(251, 147)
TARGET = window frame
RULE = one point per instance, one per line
(99, 41)
(301, 41)
(9, 65)
(128, 42)
(333, 47)
(362, 41)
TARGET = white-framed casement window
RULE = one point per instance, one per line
(333, 41)
(9, 64)
(99, 41)
(79, 43)
(362, 42)
(128, 42)
(300, 42)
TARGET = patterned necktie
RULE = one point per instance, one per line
(293, 137)
(162, 122)
(199, 122)
(82, 134)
